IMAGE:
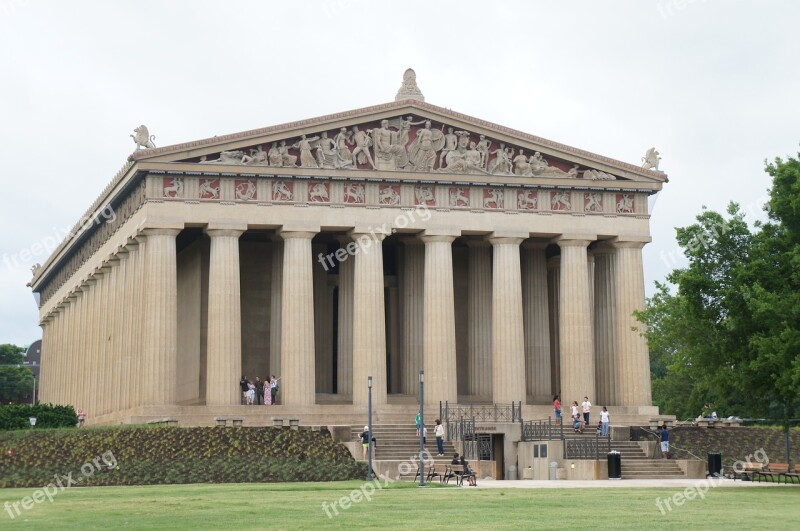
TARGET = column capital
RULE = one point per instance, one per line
(576, 241)
(297, 234)
(224, 233)
(504, 240)
(159, 231)
(603, 247)
(358, 232)
(410, 239)
(225, 224)
(434, 238)
(618, 243)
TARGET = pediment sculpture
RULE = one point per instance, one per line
(405, 143)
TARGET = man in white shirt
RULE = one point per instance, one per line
(439, 432)
(587, 408)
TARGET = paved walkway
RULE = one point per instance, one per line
(625, 484)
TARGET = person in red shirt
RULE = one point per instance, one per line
(557, 408)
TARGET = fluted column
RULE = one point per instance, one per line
(536, 321)
(412, 284)
(224, 351)
(369, 334)
(553, 297)
(160, 342)
(82, 344)
(479, 319)
(344, 359)
(604, 325)
(632, 364)
(575, 325)
(140, 300)
(439, 333)
(508, 337)
(128, 328)
(276, 307)
(297, 321)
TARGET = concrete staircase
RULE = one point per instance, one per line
(399, 442)
(635, 464)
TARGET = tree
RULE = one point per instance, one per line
(16, 382)
(730, 333)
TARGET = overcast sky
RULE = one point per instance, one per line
(712, 84)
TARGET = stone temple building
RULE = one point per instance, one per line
(375, 242)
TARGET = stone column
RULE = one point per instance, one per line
(344, 359)
(508, 337)
(439, 334)
(575, 325)
(604, 325)
(224, 354)
(118, 372)
(536, 321)
(140, 300)
(297, 321)
(369, 315)
(553, 297)
(276, 308)
(160, 342)
(632, 363)
(412, 280)
(479, 320)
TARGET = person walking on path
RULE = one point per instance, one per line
(439, 432)
(586, 406)
(604, 422)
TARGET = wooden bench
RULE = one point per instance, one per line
(772, 470)
(748, 468)
(434, 471)
(792, 475)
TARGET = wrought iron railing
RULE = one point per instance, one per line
(542, 430)
(481, 413)
(587, 448)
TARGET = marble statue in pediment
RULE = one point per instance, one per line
(651, 159)
(409, 89)
(256, 156)
(305, 145)
(363, 141)
(422, 151)
(390, 154)
(326, 152)
(521, 165)
(275, 156)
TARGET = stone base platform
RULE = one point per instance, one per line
(332, 411)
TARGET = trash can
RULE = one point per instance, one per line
(614, 465)
(553, 470)
(511, 473)
(714, 464)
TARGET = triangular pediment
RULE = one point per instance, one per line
(403, 136)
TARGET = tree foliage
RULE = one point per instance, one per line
(16, 382)
(729, 333)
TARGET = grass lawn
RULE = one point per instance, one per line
(299, 505)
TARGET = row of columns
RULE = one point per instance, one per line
(588, 342)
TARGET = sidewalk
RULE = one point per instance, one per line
(624, 483)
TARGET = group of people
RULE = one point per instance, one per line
(265, 392)
(468, 472)
(581, 414)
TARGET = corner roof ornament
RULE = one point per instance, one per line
(409, 89)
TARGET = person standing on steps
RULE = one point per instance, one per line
(663, 434)
(586, 406)
(244, 383)
(418, 422)
(557, 408)
(365, 441)
(604, 422)
(439, 432)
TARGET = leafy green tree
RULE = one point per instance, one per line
(16, 382)
(730, 331)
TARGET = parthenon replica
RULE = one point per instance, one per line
(374, 242)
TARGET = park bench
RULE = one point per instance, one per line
(773, 470)
(792, 475)
(439, 471)
(456, 471)
(748, 468)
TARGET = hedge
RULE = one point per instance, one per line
(15, 416)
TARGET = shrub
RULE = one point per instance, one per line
(15, 416)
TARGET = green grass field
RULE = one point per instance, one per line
(299, 505)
